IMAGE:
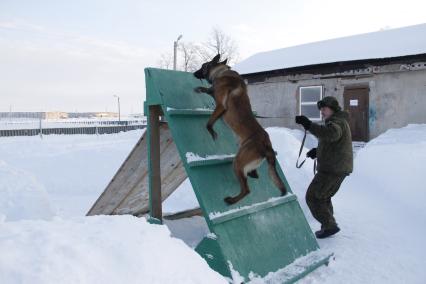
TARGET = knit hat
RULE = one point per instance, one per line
(330, 102)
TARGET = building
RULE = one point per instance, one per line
(379, 78)
(56, 115)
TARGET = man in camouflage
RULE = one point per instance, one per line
(334, 162)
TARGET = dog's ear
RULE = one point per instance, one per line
(224, 61)
(216, 58)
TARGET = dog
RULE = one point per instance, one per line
(233, 104)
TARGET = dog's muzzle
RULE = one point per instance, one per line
(198, 74)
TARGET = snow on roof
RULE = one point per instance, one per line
(382, 44)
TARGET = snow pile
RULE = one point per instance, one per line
(22, 196)
(100, 249)
(380, 209)
(393, 165)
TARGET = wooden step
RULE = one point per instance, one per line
(210, 160)
(198, 111)
(217, 218)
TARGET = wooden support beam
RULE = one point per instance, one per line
(156, 212)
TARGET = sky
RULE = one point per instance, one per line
(58, 55)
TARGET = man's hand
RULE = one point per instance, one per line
(312, 153)
(304, 121)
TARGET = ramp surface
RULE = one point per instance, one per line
(262, 233)
(127, 192)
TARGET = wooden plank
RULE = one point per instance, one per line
(127, 192)
(184, 214)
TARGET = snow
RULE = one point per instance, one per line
(191, 157)
(49, 184)
(73, 170)
(382, 44)
(99, 249)
(182, 199)
(22, 196)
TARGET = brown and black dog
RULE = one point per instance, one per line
(232, 102)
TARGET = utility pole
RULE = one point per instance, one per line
(119, 113)
(175, 45)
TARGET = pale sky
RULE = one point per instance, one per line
(75, 55)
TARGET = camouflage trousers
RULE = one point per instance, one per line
(318, 197)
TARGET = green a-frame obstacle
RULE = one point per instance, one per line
(262, 233)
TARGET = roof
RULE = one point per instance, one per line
(376, 45)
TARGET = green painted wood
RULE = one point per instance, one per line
(263, 232)
(189, 111)
(211, 251)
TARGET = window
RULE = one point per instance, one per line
(308, 98)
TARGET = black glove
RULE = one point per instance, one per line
(304, 121)
(312, 153)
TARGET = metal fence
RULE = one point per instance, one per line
(33, 128)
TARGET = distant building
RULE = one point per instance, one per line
(56, 115)
(22, 115)
(379, 78)
(92, 114)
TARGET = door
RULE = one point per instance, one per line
(356, 101)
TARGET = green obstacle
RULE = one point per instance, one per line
(262, 233)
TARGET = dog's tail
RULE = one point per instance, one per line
(271, 159)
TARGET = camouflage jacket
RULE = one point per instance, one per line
(334, 152)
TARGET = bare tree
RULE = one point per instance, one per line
(219, 43)
(193, 54)
(165, 61)
(190, 54)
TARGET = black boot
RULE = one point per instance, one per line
(324, 233)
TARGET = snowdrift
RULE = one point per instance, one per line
(100, 249)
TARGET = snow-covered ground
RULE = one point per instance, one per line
(47, 185)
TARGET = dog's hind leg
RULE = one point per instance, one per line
(217, 113)
(241, 173)
(247, 160)
(243, 185)
(253, 174)
(271, 159)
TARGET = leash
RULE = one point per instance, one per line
(300, 152)
(261, 116)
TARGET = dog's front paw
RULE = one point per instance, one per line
(199, 89)
(229, 200)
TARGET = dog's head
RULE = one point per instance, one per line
(206, 68)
